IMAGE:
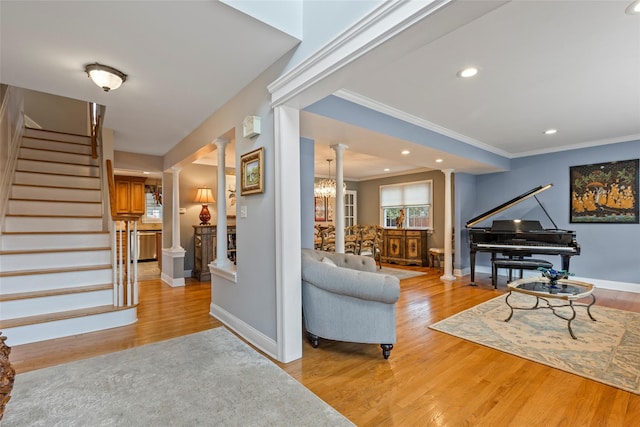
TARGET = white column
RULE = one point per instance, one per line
(175, 214)
(448, 267)
(339, 213)
(287, 233)
(222, 260)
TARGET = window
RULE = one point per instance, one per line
(413, 199)
(153, 203)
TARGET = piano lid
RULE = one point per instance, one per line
(507, 205)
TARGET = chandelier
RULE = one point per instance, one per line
(326, 187)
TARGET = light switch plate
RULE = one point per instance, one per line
(243, 211)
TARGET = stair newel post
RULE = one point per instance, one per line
(121, 269)
(114, 263)
(135, 264)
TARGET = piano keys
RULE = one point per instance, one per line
(520, 237)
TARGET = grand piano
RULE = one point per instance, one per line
(522, 238)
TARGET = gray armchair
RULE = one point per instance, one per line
(348, 301)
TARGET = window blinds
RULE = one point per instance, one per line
(406, 194)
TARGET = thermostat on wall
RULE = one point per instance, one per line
(251, 126)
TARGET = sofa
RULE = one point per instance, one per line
(344, 298)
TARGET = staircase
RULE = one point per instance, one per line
(56, 276)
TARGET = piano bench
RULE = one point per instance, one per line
(516, 264)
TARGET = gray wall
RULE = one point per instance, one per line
(57, 112)
(369, 201)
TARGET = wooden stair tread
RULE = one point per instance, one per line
(55, 131)
(52, 317)
(54, 270)
(64, 187)
(54, 250)
(49, 150)
(55, 174)
(54, 201)
(54, 292)
(40, 138)
(51, 216)
(5, 233)
(57, 162)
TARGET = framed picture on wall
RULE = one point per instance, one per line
(604, 192)
(320, 209)
(252, 169)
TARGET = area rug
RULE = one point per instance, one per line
(400, 273)
(605, 350)
(209, 378)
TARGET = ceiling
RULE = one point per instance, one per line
(573, 66)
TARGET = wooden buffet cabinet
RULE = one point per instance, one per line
(406, 247)
(204, 243)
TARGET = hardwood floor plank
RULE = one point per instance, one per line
(431, 378)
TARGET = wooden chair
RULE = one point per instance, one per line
(352, 239)
(329, 239)
(371, 244)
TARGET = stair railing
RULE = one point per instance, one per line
(96, 113)
(123, 273)
(11, 131)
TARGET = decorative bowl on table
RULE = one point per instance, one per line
(554, 275)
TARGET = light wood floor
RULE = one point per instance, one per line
(430, 379)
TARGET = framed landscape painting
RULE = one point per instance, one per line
(605, 192)
(252, 169)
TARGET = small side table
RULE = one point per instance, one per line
(567, 290)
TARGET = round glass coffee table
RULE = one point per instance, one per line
(541, 288)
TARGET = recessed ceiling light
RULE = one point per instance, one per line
(468, 72)
(438, 160)
(387, 169)
(406, 152)
(633, 8)
(550, 131)
(146, 173)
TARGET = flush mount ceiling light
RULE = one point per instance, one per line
(468, 72)
(108, 78)
(633, 8)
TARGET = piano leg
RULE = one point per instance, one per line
(565, 262)
(472, 259)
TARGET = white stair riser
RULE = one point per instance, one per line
(45, 181)
(56, 145)
(55, 193)
(19, 242)
(36, 133)
(67, 327)
(34, 224)
(51, 281)
(62, 168)
(22, 207)
(54, 304)
(56, 156)
(30, 261)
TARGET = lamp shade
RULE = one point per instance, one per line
(108, 78)
(204, 196)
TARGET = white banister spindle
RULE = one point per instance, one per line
(121, 268)
(114, 264)
(132, 245)
(135, 263)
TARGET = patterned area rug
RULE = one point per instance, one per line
(210, 378)
(606, 350)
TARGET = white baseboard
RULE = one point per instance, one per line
(598, 283)
(246, 331)
(171, 281)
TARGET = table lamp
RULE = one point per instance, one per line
(204, 196)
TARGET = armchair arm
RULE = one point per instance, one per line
(354, 283)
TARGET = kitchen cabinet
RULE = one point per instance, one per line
(130, 199)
